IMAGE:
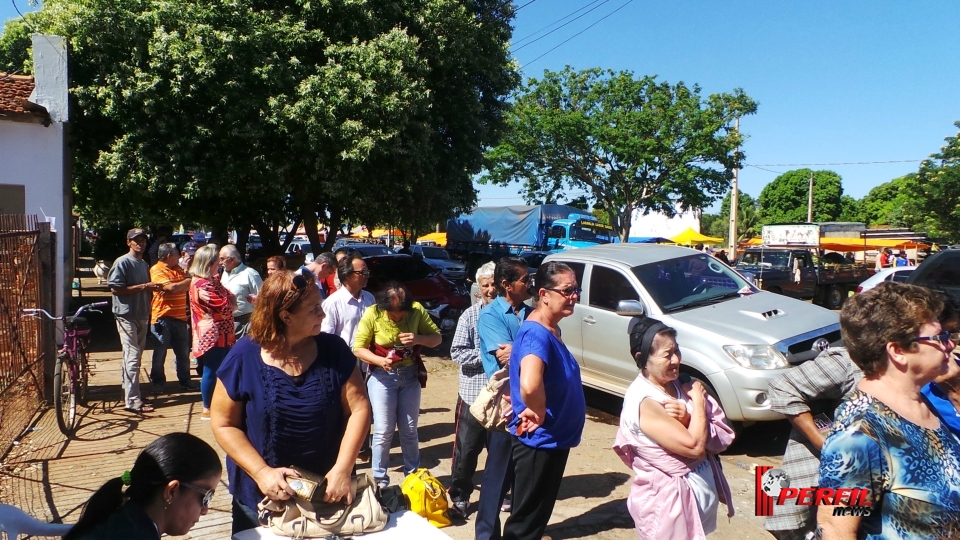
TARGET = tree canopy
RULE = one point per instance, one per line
(937, 192)
(785, 199)
(629, 143)
(747, 224)
(236, 113)
(889, 203)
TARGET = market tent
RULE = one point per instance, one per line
(377, 233)
(860, 244)
(440, 238)
(690, 236)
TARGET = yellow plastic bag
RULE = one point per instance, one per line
(426, 497)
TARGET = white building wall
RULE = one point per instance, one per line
(657, 224)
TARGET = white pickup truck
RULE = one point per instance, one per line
(732, 336)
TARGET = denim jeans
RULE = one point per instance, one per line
(395, 400)
(174, 334)
(133, 339)
(211, 363)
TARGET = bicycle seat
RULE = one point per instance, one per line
(75, 322)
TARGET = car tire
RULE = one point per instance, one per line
(835, 297)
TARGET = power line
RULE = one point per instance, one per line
(762, 169)
(562, 25)
(523, 6)
(582, 31)
(827, 164)
(561, 19)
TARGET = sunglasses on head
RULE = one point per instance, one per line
(207, 493)
(300, 285)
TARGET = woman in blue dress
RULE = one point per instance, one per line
(288, 395)
(886, 438)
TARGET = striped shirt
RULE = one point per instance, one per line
(465, 351)
(168, 304)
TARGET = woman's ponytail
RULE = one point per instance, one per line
(99, 508)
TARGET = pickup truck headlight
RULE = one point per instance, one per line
(756, 356)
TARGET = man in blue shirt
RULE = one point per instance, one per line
(497, 327)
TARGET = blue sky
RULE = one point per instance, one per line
(837, 82)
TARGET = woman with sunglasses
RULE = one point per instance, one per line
(169, 487)
(288, 395)
(211, 311)
(885, 436)
(548, 404)
(388, 338)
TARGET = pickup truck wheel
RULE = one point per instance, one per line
(737, 427)
(835, 297)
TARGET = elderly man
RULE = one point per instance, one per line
(244, 282)
(322, 268)
(168, 318)
(129, 281)
(470, 437)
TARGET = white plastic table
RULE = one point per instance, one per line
(400, 526)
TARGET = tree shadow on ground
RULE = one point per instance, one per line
(605, 517)
(591, 486)
(430, 456)
(437, 430)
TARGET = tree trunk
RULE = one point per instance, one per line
(333, 227)
(269, 238)
(309, 217)
(243, 234)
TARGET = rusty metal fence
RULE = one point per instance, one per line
(21, 346)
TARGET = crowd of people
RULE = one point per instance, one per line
(298, 366)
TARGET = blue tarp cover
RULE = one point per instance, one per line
(507, 224)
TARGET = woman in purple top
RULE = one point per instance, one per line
(548, 404)
(288, 395)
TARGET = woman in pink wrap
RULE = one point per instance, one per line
(670, 434)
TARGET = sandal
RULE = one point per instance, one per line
(144, 408)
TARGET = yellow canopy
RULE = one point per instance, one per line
(853, 244)
(439, 237)
(377, 233)
(691, 236)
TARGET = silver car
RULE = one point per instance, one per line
(439, 259)
(733, 336)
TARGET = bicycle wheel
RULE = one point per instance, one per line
(64, 396)
(83, 375)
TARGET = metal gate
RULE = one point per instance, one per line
(21, 350)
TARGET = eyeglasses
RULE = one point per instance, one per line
(207, 493)
(567, 293)
(942, 337)
(525, 279)
(365, 272)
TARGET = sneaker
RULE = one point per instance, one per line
(383, 482)
(459, 510)
(506, 506)
(205, 416)
(189, 385)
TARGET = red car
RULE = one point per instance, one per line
(438, 295)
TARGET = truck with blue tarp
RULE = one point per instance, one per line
(488, 233)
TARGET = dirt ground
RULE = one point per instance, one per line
(592, 501)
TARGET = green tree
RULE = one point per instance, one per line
(889, 203)
(849, 209)
(937, 193)
(746, 219)
(785, 199)
(232, 113)
(632, 144)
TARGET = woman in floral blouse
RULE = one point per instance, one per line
(211, 310)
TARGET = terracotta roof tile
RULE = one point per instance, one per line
(13, 88)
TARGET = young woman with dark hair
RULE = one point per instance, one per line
(388, 337)
(169, 487)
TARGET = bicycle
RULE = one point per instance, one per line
(70, 374)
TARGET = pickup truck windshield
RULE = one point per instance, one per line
(765, 259)
(591, 232)
(688, 282)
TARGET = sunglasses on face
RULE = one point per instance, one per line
(364, 272)
(942, 337)
(567, 293)
(525, 279)
(207, 493)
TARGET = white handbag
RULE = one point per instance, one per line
(491, 408)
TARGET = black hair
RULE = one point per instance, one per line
(548, 272)
(642, 336)
(393, 289)
(509, 269)
(175, 456)
(345, 266)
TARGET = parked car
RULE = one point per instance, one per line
(300, 248)
(427, 285)
(439, 258)
(939, 271)
(734, 337)
(369, 250)
(900, 274)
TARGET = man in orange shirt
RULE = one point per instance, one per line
(168, 318)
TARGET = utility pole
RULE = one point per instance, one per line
(810, 200)
(734, 206)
